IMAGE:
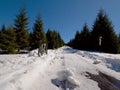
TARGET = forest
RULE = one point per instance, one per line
(17, 37)
(101, 38)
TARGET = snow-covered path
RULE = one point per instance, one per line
(62, 69)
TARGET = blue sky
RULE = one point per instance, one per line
(64, 16)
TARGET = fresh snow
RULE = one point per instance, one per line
(61, 69)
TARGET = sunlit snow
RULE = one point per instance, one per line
(61, 69)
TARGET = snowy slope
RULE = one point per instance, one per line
(61, 69)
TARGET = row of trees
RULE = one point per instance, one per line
(7, 40)
(101, 38)
(54, 39)
(17, 37)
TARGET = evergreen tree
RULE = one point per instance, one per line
(11, 40)
(54, 39)
(21, 23)
(119, 38)
(38, 37)
(81, 40)
(7, 39)
(3, 38)
(103, 28)
(3, 28)
(31, 40)
(84, 39)
(119, 42)
(76, 40)
(70, 43)
(49, 39)
(61, 42)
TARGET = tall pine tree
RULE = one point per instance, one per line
(84, 42)
(38, 36)
(76, 41)
(11, 40)
(3, 38)
(7, 39)
(103, 28)
(21, 23)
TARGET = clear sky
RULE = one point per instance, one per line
(64, 16)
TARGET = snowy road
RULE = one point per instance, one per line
(61, 69)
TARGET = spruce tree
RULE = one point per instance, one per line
(11, 40)
(119, 42)
(70, 43)
(81, 39)
(84, 38)
(31, 40)
(7, 39)
(38, 37)
(54, 39)
(119, 38)
(3, 38)
(49, 39)
(103, 28)
(21, 23)
(61, 42)
(76, 40)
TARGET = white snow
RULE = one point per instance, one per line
(59, 69)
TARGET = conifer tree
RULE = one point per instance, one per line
(38, 37)
(50, 39)
(7, 39)
(21, 23)
(84, 42)
(70, 43)
(31, 40)
(11, 40)
(119, 42)
(76, 40)
(3, 38)
(119, 38)
(54, 39)
(61, 42)
(103, 28)
(81, 39)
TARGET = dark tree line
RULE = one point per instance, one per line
(54, 39)
(82, 39)
(101, 38)
(7, 40)
(17, 37)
